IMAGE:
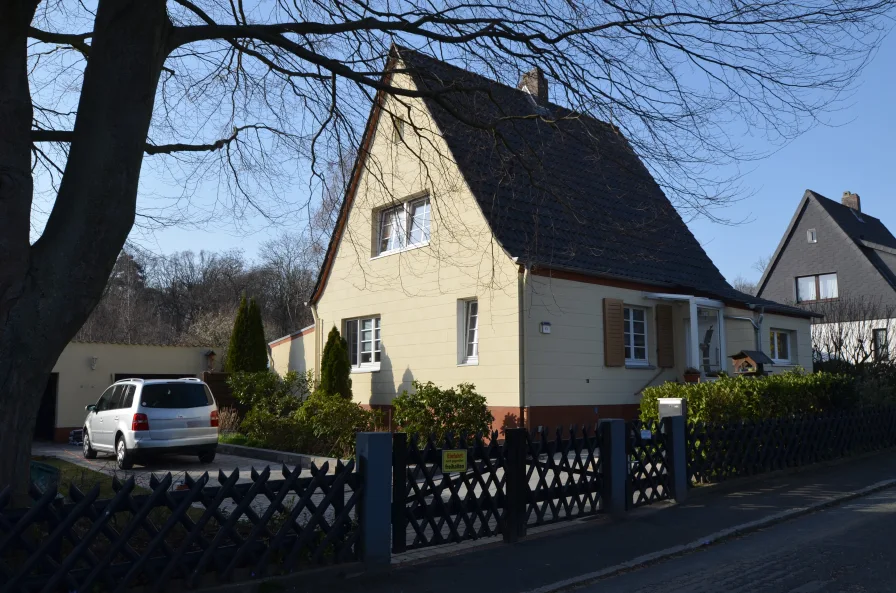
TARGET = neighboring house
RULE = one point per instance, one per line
(840, 262)
(537, 259)
(85, 369)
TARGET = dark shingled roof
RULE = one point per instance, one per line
(867, 230)
(563, 190)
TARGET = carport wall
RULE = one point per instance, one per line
(82, 381)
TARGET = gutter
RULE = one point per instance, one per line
(522, 285)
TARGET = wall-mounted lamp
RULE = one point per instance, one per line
(93, 361)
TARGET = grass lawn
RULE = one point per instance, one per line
(82, 477)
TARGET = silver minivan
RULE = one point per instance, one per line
(136, 419)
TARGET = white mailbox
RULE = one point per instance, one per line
(672, 406)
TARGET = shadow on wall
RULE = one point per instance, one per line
(509, 421)
(296, 356)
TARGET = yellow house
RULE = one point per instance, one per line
(492, 237)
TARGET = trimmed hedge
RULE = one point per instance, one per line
(431, 410)
(755, 398)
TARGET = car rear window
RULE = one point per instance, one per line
(175, 395)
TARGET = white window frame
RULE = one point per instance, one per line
(816, 278)
(812, 236)
(773, 344)
(464, 307)
(629, 330)
(402, 226)
(356, 343)
(397, 130)
(882, 352)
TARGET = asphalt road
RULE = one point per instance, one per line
(845, 549)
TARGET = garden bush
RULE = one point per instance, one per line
(229, 420)
(755, 398)
(285, 415)
(431, 410)
(335, 367)
(268, 391)
(328, 424)
(875, 382)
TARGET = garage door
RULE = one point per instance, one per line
(120, 376)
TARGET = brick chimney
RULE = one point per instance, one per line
(534, 83)
(852, 200)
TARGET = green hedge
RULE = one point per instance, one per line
(755, 398)
(433, 411)
(283, 415)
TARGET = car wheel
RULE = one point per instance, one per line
(87, 448)
(206, 456)
(122, 456)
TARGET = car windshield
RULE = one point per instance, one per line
(175, 395)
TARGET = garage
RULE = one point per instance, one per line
(45, 427)
(86, 369)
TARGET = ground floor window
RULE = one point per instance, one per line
(364, 345)
(779, 346)
(880, 345)
(635, 324)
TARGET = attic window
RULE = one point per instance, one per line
(811, 236)
(403, 226)
(397, 130)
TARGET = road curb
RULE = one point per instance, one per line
(717, 537)
(294, 459)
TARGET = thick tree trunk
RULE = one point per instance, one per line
(51, 287)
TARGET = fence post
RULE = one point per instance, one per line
(374, 456)
(399, 491)
(517, 485)
(676, 455)
(614, 465)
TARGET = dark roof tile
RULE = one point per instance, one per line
(560, 189)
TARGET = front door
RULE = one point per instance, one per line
(709, 340)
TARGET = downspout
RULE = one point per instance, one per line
(757, 327)
(522, 282)
(317, 333)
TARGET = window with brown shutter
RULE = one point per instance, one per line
(665, 345)
(614, 333)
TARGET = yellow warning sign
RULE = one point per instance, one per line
(454, 460)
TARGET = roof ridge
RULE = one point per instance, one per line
(492, 81)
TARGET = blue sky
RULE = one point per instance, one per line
(854, 153)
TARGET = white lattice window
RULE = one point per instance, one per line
(635, 320)
(404, 226)
(364, 344)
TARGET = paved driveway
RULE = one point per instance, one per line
(178, 465)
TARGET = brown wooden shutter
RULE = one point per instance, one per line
(614, 333)
(665, 344)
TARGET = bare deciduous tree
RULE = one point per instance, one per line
(854, 329)
(762, 263)
(289, 264)
(245, 98)
(746, 286)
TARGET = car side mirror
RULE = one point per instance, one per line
(90, 407)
